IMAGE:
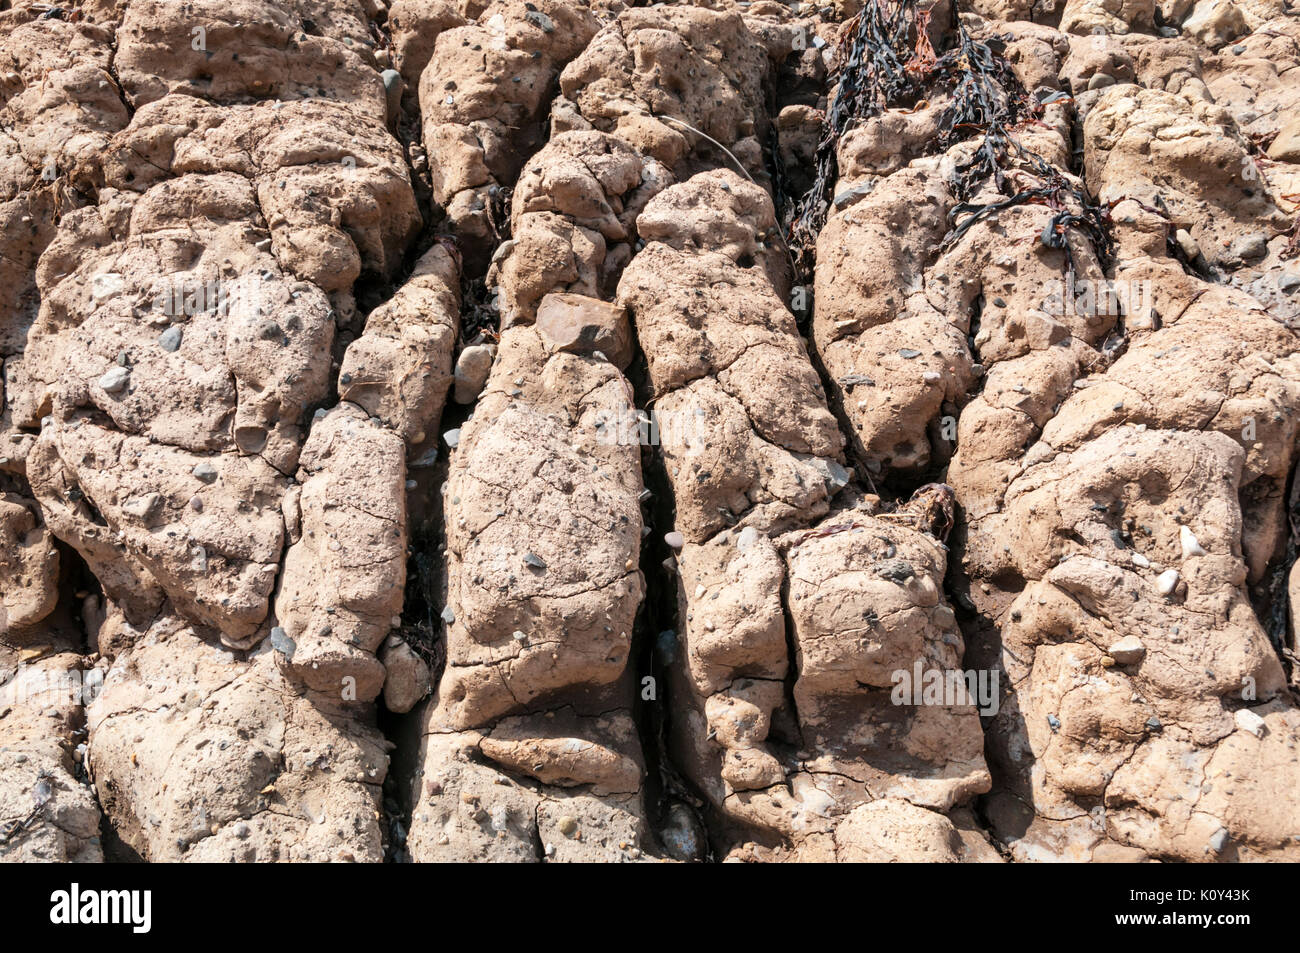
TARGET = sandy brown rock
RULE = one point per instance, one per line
(863, 593)
(482, 114)
(332, 186)
(127, 505)
(29, 565)
(703, 68)
(1094, 728)
(237, 242)
(194, 361)
(248, 49)
(894, 359)
(470, 809)
(400, 368)
(343, 579)
(1255, 77)
(46, 814)
(573, 221)
(415, 26)
(406, 676)
(712, 327)
(892, 831)
(200, 754)
(544, 528)
(1108, 16)
(59, 104)
(1138, 137)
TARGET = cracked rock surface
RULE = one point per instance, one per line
(577, 431)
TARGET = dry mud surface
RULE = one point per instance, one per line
(488, 430)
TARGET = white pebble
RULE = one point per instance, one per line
(1247, 720)
(1167, 581)
(1191, 547)
(115, 380)
(1128, 650)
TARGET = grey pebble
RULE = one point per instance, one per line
(170, 340)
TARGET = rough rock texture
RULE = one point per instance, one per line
(200, 231)
(1146, 485)
(701, 68)
(702, 446)
(199, 754)
(29, 565)
(248, 49)
(166, 296)
(712, 327)
(1107, 499)
(572, 221)
(543, 586)
(399, 368)
(342, 583)
(46, 813)
(863, 593)
(483, 95)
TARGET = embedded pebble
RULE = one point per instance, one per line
(170, 340)
(1247, 720)
(1167, 582)
(1128, 650)
(1191, 547)
(115, 380)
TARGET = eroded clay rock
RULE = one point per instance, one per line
(61, 99)
(712, 327)
(332, 185)
(703, 68)
(483, 114)
(1255, 78)
(406, 676)
(60, 105)
(128, 506)
(894, 359)
(573, 221)
(200, 754)
(46, 813)
(193, 360)
(1091, 721)
(544, 530)
(471, 807)
(248, 49)
(400, 368)
(870, 627)
(343, 580)
(895, 831)
(29, 565)
(1108, 16)
(1135, 138)
(529, 737)
(415, 26)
